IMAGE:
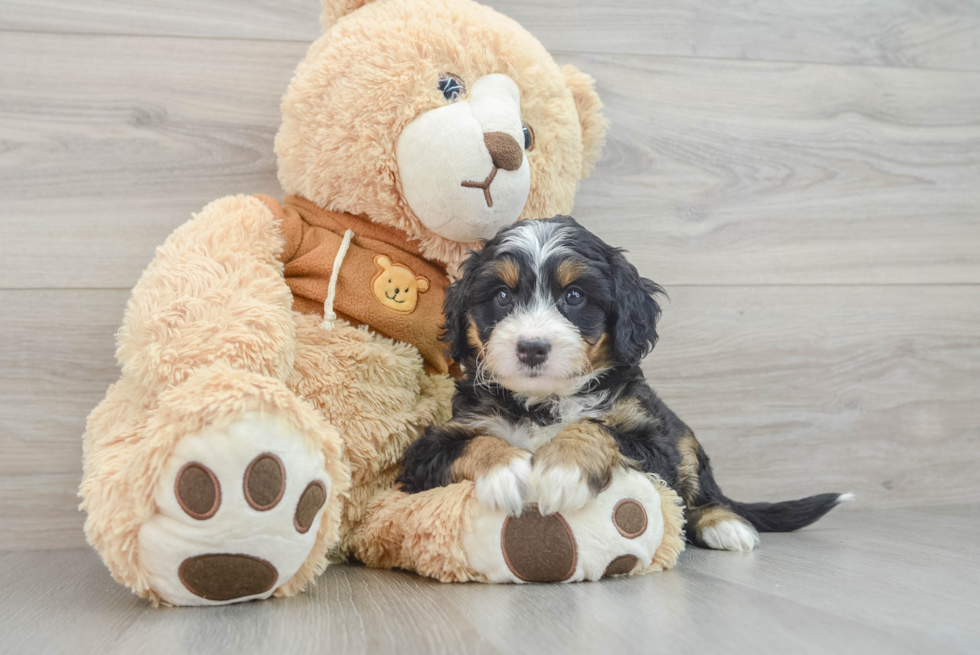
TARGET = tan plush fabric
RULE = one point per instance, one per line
(673, 542)
(420, 532)
(208, 336)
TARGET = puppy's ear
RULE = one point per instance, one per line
(637, 311)
(455, 307)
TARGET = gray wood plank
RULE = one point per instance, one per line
(912, 33)
(792, 390)
(733, 173)
(716, 172)
(840, 586)
(103, 155)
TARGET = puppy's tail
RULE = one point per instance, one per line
(788, 515)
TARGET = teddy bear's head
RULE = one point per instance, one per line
(441, 118)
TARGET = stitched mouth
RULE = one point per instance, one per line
(392, 298)
(485, 185)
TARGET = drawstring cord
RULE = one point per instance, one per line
(329, 315)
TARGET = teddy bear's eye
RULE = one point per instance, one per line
(452, 86)
(528, 136)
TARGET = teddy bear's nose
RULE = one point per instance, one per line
(504, 149)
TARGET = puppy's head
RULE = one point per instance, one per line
(546, 306)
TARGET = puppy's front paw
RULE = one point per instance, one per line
(506, 486)
(560, 488)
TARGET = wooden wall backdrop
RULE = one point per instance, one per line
(803, 177)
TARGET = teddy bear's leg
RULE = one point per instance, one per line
(421, 532)
(244, 501)
(206, 479)
(634, 526)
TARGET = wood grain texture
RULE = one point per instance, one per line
(104, 155)
(911, 33)
(792, 391)
(854, 583)
(735, 173)
(716, 172)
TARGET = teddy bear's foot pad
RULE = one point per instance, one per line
(238, 513)
(539, 548)
(227, 577)
(616, 533)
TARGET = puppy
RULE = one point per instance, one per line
(550, 324)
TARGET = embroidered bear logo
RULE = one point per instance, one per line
(396, 286)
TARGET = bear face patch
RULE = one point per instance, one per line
(396, 286)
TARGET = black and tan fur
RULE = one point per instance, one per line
(607, 415)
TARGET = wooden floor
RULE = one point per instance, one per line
(802, 176)
(885, 581)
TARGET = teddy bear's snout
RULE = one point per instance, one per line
(462, 166)
(505, 152)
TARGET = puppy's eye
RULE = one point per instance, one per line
(503, 298)
(452, 86)
(528, 136)
(574, 297)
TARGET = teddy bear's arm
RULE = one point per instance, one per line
(214, 292)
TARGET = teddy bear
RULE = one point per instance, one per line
(278, 357)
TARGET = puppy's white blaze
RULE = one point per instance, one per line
(559, 489)
(538, 241)
(506, 487)
(731, 535)
(566, 362)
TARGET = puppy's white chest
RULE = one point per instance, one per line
(522, 434)
(536, 436)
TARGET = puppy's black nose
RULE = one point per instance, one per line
(533, 351)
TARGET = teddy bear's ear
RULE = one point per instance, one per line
(334, 10)
(382, 262)
(590, 116)
(423, 284)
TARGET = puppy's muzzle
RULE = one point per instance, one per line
(533, 352)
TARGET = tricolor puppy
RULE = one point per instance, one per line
(550, 325)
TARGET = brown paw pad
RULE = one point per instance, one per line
(309, 504)
(539, 548)
(265, 482)
(630, 518)
(620, 566)
(198, 491)
(227, 577)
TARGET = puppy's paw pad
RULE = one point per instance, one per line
(560, 489)
(506, 487)
(539, 548)
(731, 535)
